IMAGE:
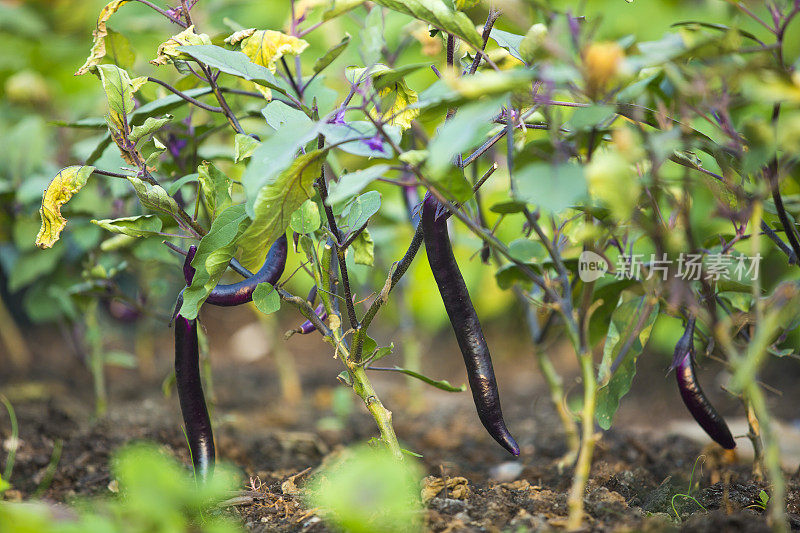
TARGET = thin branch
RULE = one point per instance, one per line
(487, 30)
(151, 5)
(186, 97)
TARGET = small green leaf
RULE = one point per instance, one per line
(154, 197)
(628, 330)
(359, 211)
(331, 55)
(439, 384)
(510, 41)
(266, 298)
(139, 226)
(306, 218)
(150, 126)
(214, 253)
(353, 183)
(364, 249)
(119, 88)
(339, 7)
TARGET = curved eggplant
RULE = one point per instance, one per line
(692, 394)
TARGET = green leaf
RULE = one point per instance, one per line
(4, 485)
(464, 131)
(154, 197)
(359, 211)
(243, 147)
(119, 50)
(338, 134)
(66, 183)
(627, 323)
(331, 55)
(277, 200)
(551, 187)
(439, 14)
(175, 186)
(139, 226)
(353, 183)
(585, 118)
(364, 249)
(215, 186)
(306, 218)
(266, 298)
(150, 126)
(381, 352)
(274, 157)
(233, 63)
(439, 384)
(509, 41)
(278, 114)
(214, 253)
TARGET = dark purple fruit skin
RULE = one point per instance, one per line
(193, 403)
(692, 394)
(465, 324)
(242, 292)
(190, 388)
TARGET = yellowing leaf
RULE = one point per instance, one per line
(265, 47)
(167, 51)
(119, 88)
(239, 36)
(275, 203)
(66, 183)
(395, 100)
(466, 4)
(98, 51)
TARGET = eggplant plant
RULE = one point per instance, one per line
(615, 184)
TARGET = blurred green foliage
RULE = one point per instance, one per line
(155, 494)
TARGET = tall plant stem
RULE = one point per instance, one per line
(584, 464)
(772, 458)
(12, 339)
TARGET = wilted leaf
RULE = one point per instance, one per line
(139, 226)
(66, 183)
(168, 50)
(98, 51)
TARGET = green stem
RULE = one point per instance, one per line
(584, 464)
(772, 458)
(556, 385)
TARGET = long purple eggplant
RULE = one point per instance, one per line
(693, 396)
(465, 324)
(242, 291)
(190, 394)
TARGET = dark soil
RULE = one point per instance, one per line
(637, 471)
